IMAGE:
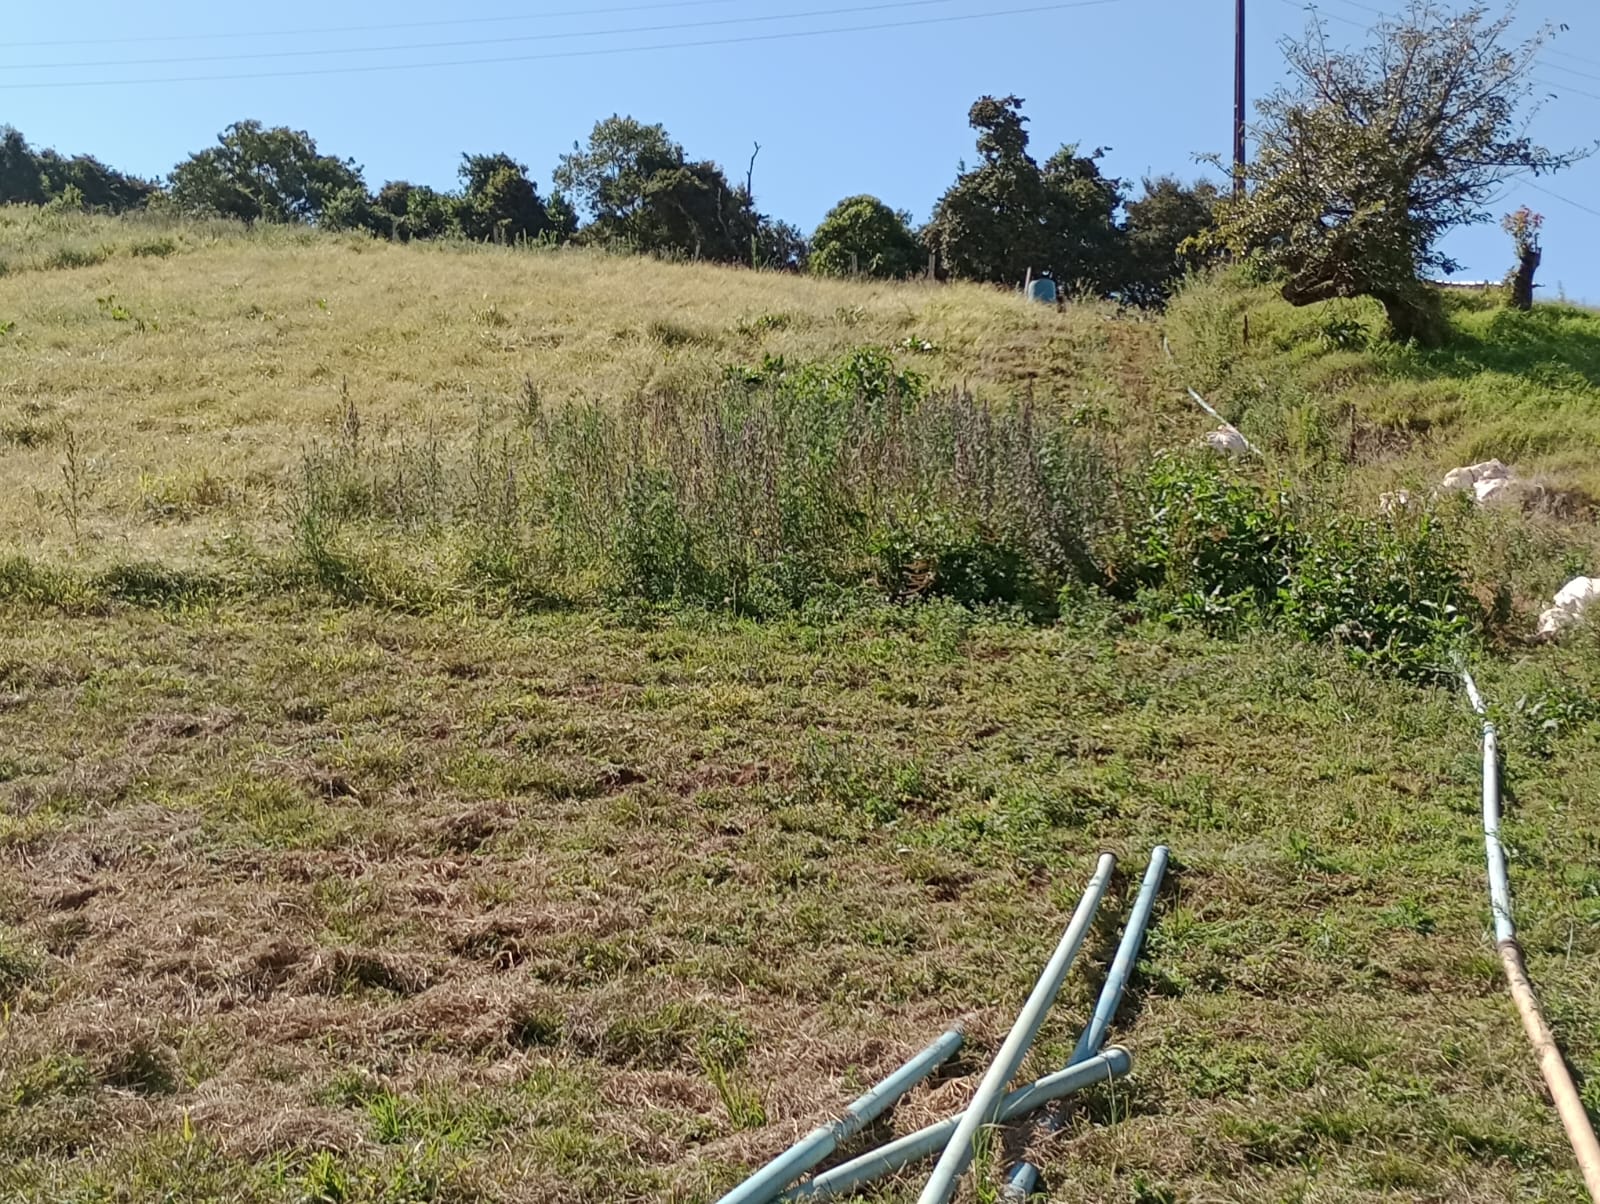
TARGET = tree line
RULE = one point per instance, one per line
(1364, 161)
(632, 187)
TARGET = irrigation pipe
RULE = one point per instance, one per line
(1574, 1118)
(848, 1177)
(811, 1149)
(1022, 1181)
(1004, 1067)
(1207, 406)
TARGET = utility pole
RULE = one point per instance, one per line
(1238, 99)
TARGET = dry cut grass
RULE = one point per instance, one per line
(348, 906)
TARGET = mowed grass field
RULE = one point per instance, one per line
(311, 899)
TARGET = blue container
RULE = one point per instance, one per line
(1042, 291)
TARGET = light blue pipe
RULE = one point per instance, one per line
(766, 1183)
(1006, 1063)
(1494, 851)
(849, 1177)
(1023, 1181)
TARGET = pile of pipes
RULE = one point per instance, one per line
(991, 1104)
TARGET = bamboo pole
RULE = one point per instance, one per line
(1563, 1091)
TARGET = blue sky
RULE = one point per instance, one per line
(879, 110)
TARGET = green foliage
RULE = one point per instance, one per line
(741, 1102)
(39, 177)
(643, 194)
(783, 485)
(405, 211)
(499, 201)
(259, 174)
(1217, 544)
(19, 968)
(1008, 216)
(1375, 154)
(1390, 592)
(350, 209)
(1161, 227)
(861, 233)
(1219, 549)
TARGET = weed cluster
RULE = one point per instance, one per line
(781, 485)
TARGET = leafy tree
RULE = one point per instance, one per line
(988, 226)
(1082, 241)
(100, 187)
(1372, 155)
(608, 179)
(1523, 226)
(404, 210)
(389, 206)
(20, 179)
(640, 191)
(35, 177)
(1160, 228)
(260, 174)
(1009, 216)
(877, 237)
(352, 209)
(780, 246)
(498, 199)
(561, 217)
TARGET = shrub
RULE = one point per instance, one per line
(1391, 592)
(863, 234)
(1213, 542)
(1214, 547)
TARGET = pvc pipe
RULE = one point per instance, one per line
(1004, 1067)
(1569, 1105)
(1105, 1008)
(1494, 851)
(1207, 407)
(811, 1149)
(848, 1177)
(1022, 1181)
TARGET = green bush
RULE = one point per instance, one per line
(862, 234)
(1391, 592)
(1214, 547)
(1213, 542)
(781, 485)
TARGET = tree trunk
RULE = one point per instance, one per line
(1522, 279)
(1415, 315)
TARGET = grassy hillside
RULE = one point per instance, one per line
(194, 365)
(1522, 387)
(498, 725)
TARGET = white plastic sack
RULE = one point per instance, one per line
(1227, 440)
(1486, 490)
(1473, 474)
(1578, 592)
(1572, 599)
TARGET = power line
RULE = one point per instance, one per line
(1381, 12)
(564, 54)
(385, 27)
(1577, 58)
(1316, 11)
(530, 37)
(1566, 200)
(1550, 83)
(1569, 70)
